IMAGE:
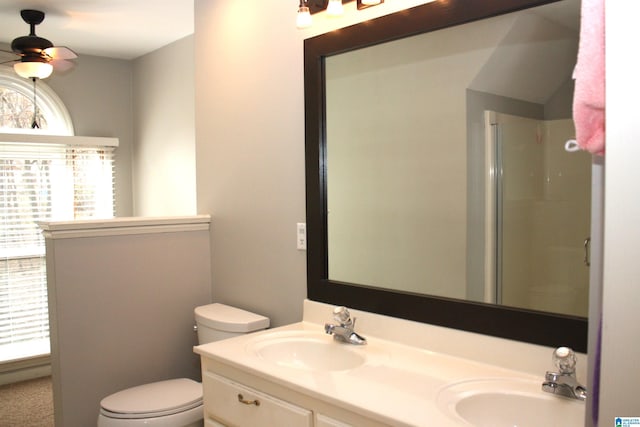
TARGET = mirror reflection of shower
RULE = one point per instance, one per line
(537, 215)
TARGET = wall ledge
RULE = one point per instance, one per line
(36, 138)
(123, 226)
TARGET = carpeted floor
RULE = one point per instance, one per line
(27, 404)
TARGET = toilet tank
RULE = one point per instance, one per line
(218, 321)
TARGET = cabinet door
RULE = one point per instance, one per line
(324, 421)
(236, 405)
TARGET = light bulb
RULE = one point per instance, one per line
(335, 8)
(303, 19)
(33, 69)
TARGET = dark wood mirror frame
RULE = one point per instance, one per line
(506, 322)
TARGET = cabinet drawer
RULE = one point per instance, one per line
(236, 405)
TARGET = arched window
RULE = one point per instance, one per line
(46, 174)
(16, 106)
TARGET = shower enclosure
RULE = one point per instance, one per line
(537, 217)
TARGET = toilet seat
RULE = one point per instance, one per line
(153, 400)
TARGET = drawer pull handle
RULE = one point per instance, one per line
(242, 400)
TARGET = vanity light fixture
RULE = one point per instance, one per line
(332, 7)
(303, 18)
(335, 8)
(363, 4)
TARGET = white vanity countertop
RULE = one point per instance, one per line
(398, 384)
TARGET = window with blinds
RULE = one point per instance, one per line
(41, 182)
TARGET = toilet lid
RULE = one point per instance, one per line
(155, 399)
(230, 319)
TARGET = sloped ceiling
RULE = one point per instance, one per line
(534, 59)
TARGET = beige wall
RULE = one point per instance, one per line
(164, 178)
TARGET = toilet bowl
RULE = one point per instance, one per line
(177, 402)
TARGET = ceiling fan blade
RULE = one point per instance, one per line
(62, 65)
(10, 61)
(8, 58)
(60, 52)
(6, 55)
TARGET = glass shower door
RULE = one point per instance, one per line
(542, 197)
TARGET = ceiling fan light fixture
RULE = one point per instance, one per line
(38, 55)
(33, 69)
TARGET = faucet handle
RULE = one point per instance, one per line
(565, 359)
(341, 314)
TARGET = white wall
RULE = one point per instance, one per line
(619, 370)
(164, 178)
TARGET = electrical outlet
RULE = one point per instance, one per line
(301, 236)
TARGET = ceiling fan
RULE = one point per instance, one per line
(38, 57)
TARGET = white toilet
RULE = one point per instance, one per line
(177, 402)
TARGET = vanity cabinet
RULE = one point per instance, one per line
(234, 404)
(236, 398)
(324, 421)
(302, 377)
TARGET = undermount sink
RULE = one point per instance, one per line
(508, 403)
(307, 351)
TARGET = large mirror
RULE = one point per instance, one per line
(438, 187)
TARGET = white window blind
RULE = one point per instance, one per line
(41, 182)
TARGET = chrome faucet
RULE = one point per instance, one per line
(343, 331)
(564, 382)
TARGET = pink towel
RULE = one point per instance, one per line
(589, 74)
